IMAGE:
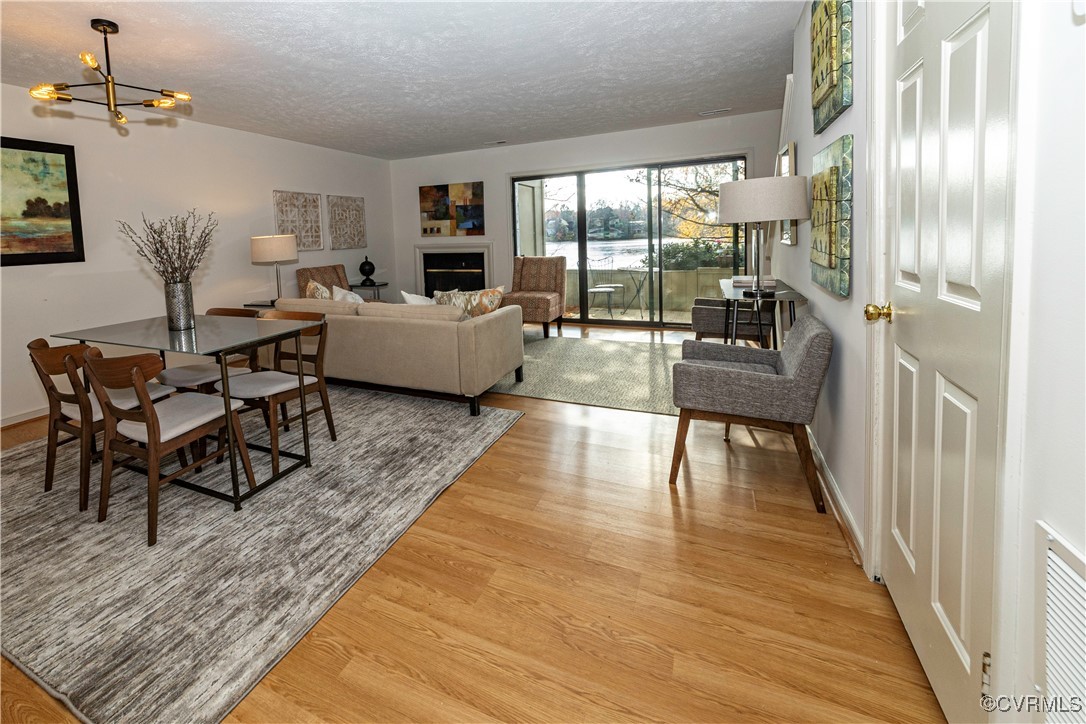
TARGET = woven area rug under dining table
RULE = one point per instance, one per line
(183, 630)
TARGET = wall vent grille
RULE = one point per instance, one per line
(1063, 609)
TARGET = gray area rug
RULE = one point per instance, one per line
(181, 631)
(625, 375)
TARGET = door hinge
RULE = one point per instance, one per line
(986, 674)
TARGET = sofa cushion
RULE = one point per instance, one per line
(321, 306)
(410, 311)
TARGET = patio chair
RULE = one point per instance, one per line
(601, 281)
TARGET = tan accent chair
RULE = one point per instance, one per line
(539, 289)
(333, 275)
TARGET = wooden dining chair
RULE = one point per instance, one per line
(267, 390)
(75, 413)
(202, 377)
(153, 430)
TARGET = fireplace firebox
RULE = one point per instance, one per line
(443, 267)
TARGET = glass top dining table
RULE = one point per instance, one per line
(217, 337)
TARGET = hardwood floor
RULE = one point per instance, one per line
(561, 579)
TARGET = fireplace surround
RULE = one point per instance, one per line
(442, 267)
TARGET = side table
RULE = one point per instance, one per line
(375, 288)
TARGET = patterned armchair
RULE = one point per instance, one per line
(329, 276)
(539, 289)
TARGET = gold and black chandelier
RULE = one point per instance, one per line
(58, 91)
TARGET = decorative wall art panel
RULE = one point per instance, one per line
(452, 209)
(39, 222)
(299, 214)
(831, 60)
(346, 222)
(831, 217)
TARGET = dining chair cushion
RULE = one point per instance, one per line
(263, 384)
(124, 399)
(195, 375)
(177, 415)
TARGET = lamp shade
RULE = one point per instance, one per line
(764, 199)
(267, 249)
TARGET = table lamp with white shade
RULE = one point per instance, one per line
(761, 200)
(274, 249)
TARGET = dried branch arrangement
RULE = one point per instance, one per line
(174, 246)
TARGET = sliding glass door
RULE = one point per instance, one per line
(640, 243)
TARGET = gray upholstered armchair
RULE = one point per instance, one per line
(539, 289)
(756, 387)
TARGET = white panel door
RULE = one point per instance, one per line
(946, 93)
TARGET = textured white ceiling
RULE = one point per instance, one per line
(397, 80)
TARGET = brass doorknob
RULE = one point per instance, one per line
(873, 312)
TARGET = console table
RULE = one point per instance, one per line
(782, 293)
(375, 288)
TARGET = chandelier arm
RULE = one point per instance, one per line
(84, 85)
(85, 100)
(156, 91)
(139, 103)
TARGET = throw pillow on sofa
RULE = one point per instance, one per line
(473, 304)
(316, 290)
(409, 298)
(345, 295)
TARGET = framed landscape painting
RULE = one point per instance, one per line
(39, 204)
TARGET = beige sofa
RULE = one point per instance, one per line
(420, 347)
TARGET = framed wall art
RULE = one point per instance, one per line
(299, 214)
(786, 162)
(39, 216)
(831, 60)
(452, 209)
(346, 222)
(831, 217)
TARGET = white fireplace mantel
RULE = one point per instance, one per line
(473, 247)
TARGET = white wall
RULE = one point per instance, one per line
(840, 420)
(1047, 380)
(753, 134)
(160, 171)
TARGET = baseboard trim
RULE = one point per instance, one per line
(23, 417)
(836, 501)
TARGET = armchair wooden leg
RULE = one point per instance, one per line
(727, 432)
(803, 447)
(518, 373)
(559, 323)
(546, 330)
(475, 409)
(698, 336)
(680, 445)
